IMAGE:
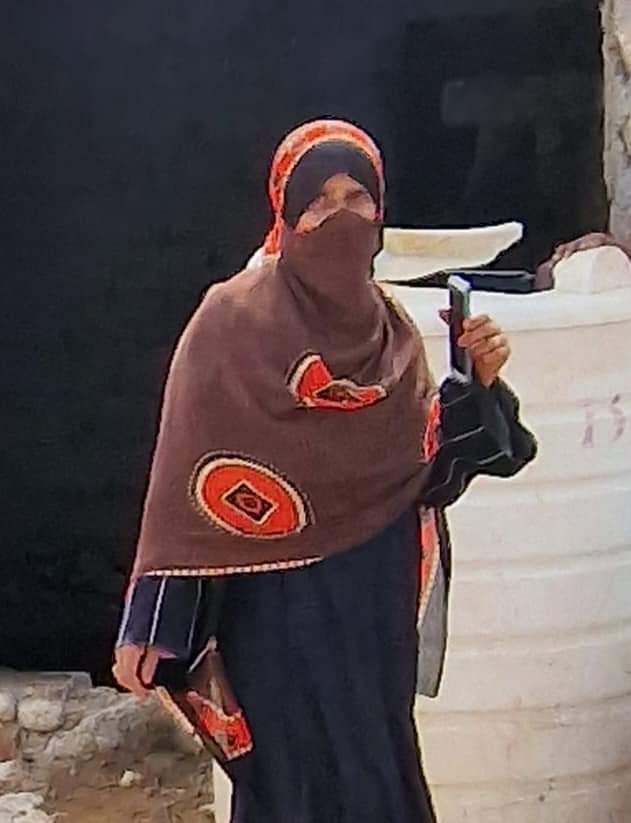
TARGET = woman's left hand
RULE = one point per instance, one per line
(488, 346)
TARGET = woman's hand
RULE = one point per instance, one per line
(588, 241)
(135, 667)
(488, 346)
(594, 240)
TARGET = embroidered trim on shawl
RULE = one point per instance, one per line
(428, 533)
(222, 571)
(313, 386)
(248, 499)
(431, 443)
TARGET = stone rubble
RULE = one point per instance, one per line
(8, 707)
(130, 778)
(58, 720)
(37, 714)
(23, 807)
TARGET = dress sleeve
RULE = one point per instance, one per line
(162, 612)
(475, 431)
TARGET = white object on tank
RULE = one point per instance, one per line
(412, 253)
(533, 722)
(593, 270)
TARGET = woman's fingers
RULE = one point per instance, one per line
(148, 667)
(476, 330)
(486, 342)
(497, 357)
(470, 324)
(587, 241)
(488, 345)
(127, 668)
(489, 366)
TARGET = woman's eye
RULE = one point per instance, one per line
(360, 197)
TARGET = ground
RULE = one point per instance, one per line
(175, 788)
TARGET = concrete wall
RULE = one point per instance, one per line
(617, 61)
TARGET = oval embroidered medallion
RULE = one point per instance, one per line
(246, 498)
(313, 386)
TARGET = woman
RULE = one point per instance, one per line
(290, 466)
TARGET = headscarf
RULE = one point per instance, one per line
(295, 405)
(299, 143)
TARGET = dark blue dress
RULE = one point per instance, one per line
(323, 662)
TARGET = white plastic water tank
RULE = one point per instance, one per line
(533, 724)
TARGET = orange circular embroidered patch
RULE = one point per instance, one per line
(313, 386)
(248, 499)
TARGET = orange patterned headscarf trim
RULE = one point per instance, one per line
(293, 149)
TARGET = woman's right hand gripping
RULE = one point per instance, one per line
(135, 667)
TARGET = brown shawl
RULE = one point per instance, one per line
(293, 417)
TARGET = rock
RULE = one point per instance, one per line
(20, 803)
(123, 724)
(159, 764)
(202, 784)
(26, 782)
(39, 714)
(49, 685)
(32, 745)
(184, 743)
(617, 93)
(13, 778)
(77, 744)
(161, 815)
(80, 683)
(129, 779)
(89, 703)
(9, 735)
(8, 707)
(9, 770)
(126, 723)
(34, 816)
(208, 809)
(625, 134)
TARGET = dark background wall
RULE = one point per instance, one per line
(134, 143)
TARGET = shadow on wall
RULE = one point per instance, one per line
(135, 142)
(507, 109)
